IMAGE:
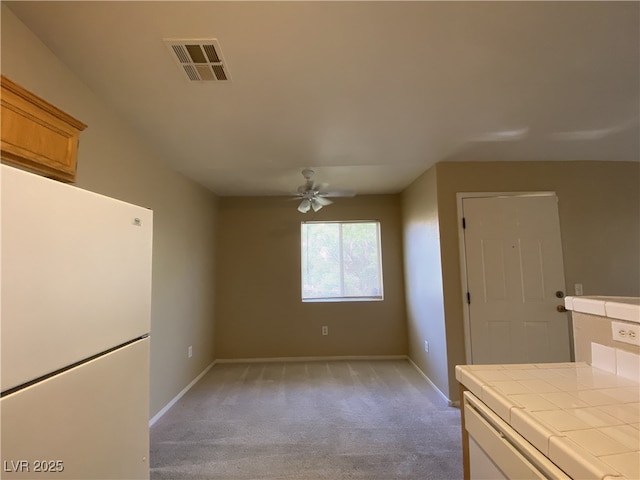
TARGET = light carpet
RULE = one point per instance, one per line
(373, 420)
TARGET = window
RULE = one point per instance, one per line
(341, 261)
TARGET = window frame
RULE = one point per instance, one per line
(343, 298)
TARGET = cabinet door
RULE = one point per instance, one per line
(37, 135)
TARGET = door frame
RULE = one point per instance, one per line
(460, 196)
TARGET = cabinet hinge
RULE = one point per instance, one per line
(464, 223)
(468, 298)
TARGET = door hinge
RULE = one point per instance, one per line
(468, 298)
(464, 223)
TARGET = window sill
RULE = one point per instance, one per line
(342, 299)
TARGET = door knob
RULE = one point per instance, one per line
(561, 308)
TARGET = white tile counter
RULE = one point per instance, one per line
(584, 419)
(620, 308)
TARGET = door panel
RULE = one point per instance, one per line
(495, 286)
(531, 263)
(514, 268)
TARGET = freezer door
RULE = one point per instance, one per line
(76, 274)
(90, 422)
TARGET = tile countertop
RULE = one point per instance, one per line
(619, 308)
(585, 420)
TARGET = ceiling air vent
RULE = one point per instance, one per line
(200, 60)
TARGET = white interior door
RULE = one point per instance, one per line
(514, 269)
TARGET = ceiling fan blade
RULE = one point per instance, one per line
(342, 193)
(323, 201)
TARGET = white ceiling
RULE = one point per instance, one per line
(369, 94)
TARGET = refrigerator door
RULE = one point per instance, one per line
(90, 422)
(76, 274)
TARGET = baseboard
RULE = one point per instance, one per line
(310, 359)
(424, 375)
(173, 401)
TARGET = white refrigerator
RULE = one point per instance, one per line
(75, 309)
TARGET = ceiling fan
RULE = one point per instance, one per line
(312, 194)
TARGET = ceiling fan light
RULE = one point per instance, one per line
(304, 206)
(316, 205)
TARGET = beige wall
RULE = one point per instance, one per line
(599, 208)
(257, 295)
(423, 279)
(259, 312)
(112, 161)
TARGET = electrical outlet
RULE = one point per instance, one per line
(325, 330)
(426, 346)
(190, 351)
(578, 288)
(626, 332)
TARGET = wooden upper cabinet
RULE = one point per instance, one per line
(36, 135)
